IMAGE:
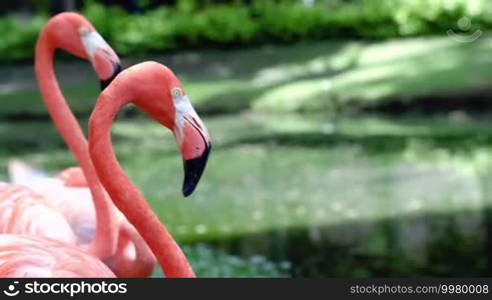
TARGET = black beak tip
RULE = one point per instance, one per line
(116, 71)
(188, 189)
(193, 169)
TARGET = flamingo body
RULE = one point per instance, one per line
(24, 212)
(29, 256)
(69, 193)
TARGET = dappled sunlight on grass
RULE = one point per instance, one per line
(388, 71)
(299, 95)
(400, 50)
(328, 76)
(327, 63)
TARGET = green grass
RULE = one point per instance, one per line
(249, 185)
(328, 76)
(371, 74)
(209, 262)
(270, 176)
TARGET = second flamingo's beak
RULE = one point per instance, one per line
(192, 139)
(103, 58)
(105, 82)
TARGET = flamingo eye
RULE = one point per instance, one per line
(181, 101)
(83, 31)
(92, 41)
(177, 93)
(182, 107)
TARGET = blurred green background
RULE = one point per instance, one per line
(351, 138)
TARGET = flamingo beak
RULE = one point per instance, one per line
(193, 140)
(195, 148)
(105, 82)
(104, 60)
(193, 170)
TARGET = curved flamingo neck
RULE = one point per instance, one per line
(124, 193)
(105, 239)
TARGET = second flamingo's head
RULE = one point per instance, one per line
(75, 34)
(156, 90)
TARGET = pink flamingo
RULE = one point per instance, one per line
(47, 250)
(128, 256)
(156, 90)
(24, 212)
(31, 256)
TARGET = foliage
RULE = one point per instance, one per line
(192, 24)
(18, 37)
(210, 262)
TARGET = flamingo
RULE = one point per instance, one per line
(22, 211)
(76, 192)
(42, 251)
(154, 89)
(32, 256)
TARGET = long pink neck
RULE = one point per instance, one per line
(124, 193)
(105, 239)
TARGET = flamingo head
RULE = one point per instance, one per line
(74, 33)
(191, 137)
(165, 100)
